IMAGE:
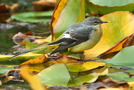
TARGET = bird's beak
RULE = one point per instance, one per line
(104, 22)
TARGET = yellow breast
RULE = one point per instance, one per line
(94, 39)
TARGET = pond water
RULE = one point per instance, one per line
(6, 35)
(8, 30)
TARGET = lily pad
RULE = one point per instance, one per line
(105, 7)
(119, 26)
(32, 16)
(56, 75)
(64, 16)
(4, 59)
(120, 76)
(124, 58)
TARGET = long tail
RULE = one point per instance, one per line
(26, 51)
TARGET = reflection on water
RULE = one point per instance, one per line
(6, 42)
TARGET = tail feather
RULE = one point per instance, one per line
(63, 47)
(27, 51)
(55, 43)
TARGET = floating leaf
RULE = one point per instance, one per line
(80, 80)
(37, 67)
(105, 7)
(4, 59)
(128, 41)
(67, 59)
(90, 78)
(120, 25)
(124, 57)
(56, 75)
(31, 16)
(131, 84)
(3, 70)
(120, 76)
(39, 60)
(91, 65)
(28, 44)
(33, 80)
(40, 41)
(41, 49)
(64, 16)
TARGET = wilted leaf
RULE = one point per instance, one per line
(120, 25)
(39, 60)
(56, 75)
(129, 42)
(43, 5)
(3, 8)
(17, 38)
(67, 59)
(13, 74)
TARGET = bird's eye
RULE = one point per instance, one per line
(96, 22)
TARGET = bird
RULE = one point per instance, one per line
(81, 36)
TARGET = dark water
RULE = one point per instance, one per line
(6, 41)
(6, 33)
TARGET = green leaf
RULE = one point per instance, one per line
(130, 71)
(67, 13)
(42, 49)
(105, 6)
(4, 70)
(56, 75)
(112, 2)
(89, 78)
(4, 59)
(80, 80)
(120, 76)
(32, 16)
(124, 58)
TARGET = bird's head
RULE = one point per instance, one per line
(94, 20)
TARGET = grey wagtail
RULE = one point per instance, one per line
(81, 36)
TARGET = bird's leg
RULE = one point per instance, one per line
(54, 56)
(82, 59)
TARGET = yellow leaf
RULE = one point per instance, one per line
(39, 60)
(131, 84)
(113, 89)
(120, 25)
(91, 65)
(33, 80)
